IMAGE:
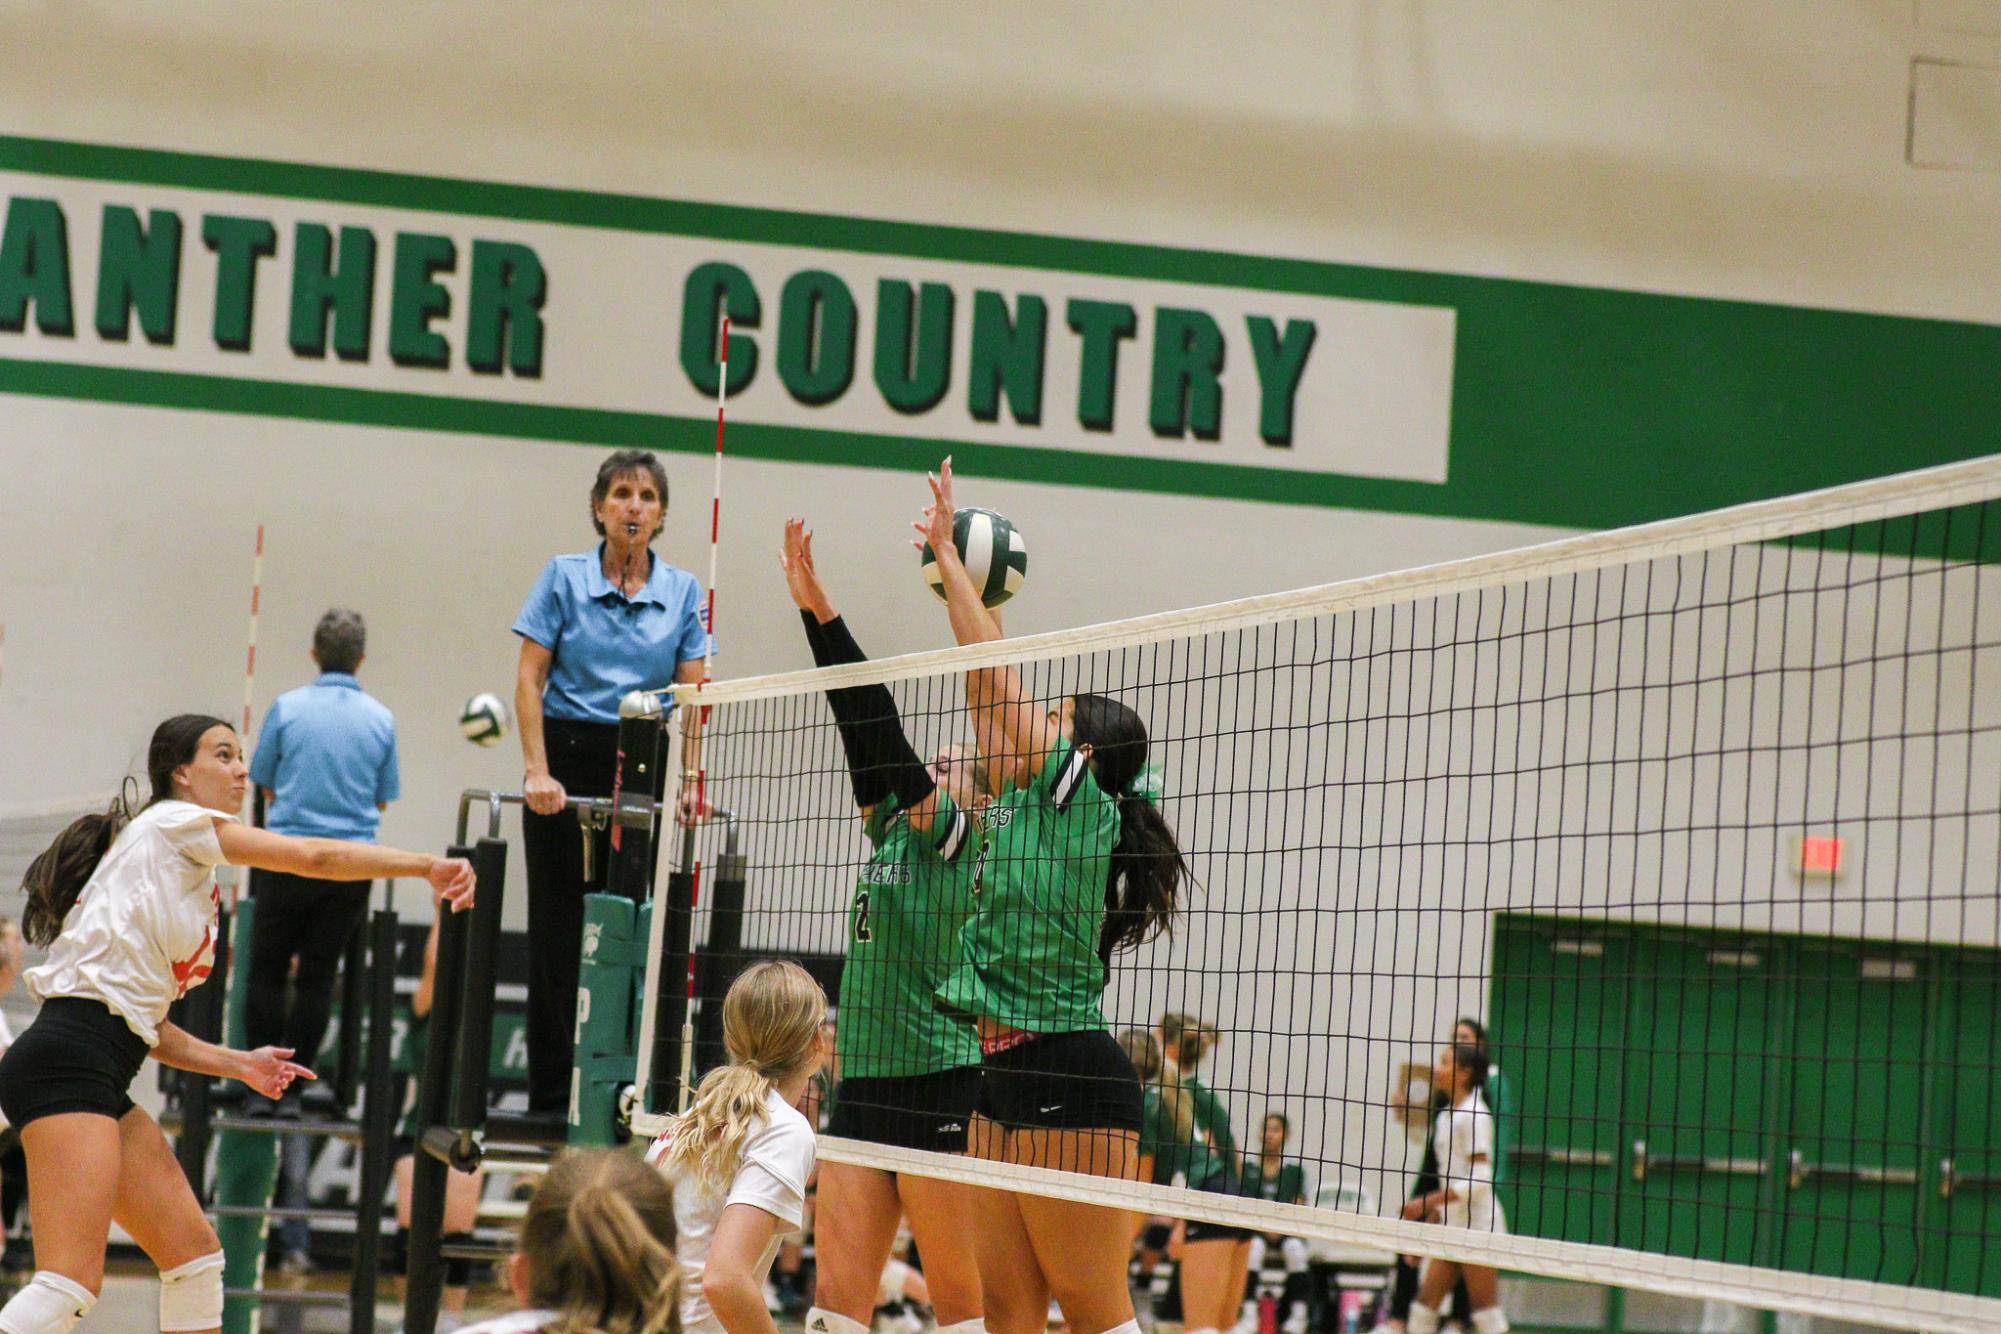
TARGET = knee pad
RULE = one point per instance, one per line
(50, 1304)
(1421, 1320)
(458, 1269)
(1294, 1251)
(1490, 1320)
(1257, 1261)
(191, 1294)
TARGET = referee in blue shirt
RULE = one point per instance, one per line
(596, 625)
(326, 761)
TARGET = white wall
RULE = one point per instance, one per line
(1710, 148)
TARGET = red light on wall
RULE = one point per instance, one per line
(1820, 855)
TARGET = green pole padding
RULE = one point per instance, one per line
(604, 1018)
(246, 1163)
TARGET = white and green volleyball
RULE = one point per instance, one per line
(483, 720)
(994, 552)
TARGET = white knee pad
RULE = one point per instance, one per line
(1491, 1320)
(1257, 1262)
(191, 1295)
(50, 1304)
(1294, 1251)
(1421, 1320)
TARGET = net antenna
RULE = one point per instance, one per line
(676, 731)
(1528, 786)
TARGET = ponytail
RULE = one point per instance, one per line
(707, 1147)
(58, 875)
(598, 1240)
(1143, 892)
(1143, 895)
(771, 1027)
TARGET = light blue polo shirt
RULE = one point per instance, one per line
(605, 644)
(328, 754)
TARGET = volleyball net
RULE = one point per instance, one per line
(1700, 819)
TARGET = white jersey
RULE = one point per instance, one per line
(777, 1158)
(1463, 1140)
(519, 1322)
(142, 932)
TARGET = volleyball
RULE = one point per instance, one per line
(994, 552)
(483, 720)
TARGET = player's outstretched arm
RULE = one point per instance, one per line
(338, 859)
(1008, 723)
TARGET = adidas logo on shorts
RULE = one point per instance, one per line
(819, 1325)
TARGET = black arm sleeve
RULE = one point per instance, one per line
(880, 758)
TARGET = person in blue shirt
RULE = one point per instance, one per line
(326, 761)
(596, 625)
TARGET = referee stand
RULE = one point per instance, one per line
(459, 1129)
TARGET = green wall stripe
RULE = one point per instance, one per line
(1572, 406)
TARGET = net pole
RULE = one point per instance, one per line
(657, 925)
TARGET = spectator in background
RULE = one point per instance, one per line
(597, 625)
(326, 762)
(1268, 1176)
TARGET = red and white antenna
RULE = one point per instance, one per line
(708, 663)
(250, 653)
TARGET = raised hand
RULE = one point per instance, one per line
(802, 577)
(270, 1072)
(936, 525)
(452, 882)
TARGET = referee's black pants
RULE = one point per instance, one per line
(583, 757)
(312, 920)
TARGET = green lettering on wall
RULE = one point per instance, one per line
(913, 357)
(504, 309)
(318, 286)
(34, 268)
(713, 290)
(238, 244)
(1100, 324)
(138, 268)
(1281, 361)
(416, 297)
(1187, 357)
(816, 337)
(1007, 356)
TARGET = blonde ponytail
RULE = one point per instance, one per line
(598, 1239)
(771, 1026)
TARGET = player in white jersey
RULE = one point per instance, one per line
(738, 1158)
(1463, 1139)
(595, 1251)
(125, 902)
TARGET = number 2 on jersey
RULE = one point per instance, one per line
(863, 933)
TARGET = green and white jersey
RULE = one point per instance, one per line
(1211, 1117)
(1029, 956)
(1285, 1186)
(1170, 1153)
(911, 903)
